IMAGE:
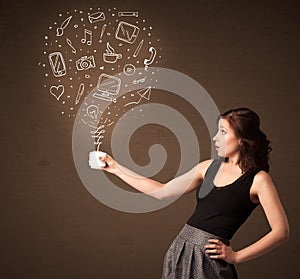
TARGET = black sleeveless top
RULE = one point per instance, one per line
(222, 210)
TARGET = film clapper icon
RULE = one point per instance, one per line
(107, 87)
(127, 32)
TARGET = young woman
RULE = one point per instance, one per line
(228, 190)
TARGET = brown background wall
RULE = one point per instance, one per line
(245, 53)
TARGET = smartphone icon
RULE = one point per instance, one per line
(57, 64)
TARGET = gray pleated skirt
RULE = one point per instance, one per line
(186, 257)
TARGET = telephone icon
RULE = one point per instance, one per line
(150, 60)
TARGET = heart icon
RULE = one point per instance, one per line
(57, 91)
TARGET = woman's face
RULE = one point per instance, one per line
(226, 141)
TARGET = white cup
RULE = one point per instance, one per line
(94, 160)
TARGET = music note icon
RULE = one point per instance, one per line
(87, 34)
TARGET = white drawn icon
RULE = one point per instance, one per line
(92, 111)
(57, 91)
(85, 63)
(110, 56)
(144, 94)
(88, 37)
(107, 86)
(141, 80)
(129, 69)
(97, 136)
(65, 23)
(97, 16)
(57, 64)
(102, 32)
(138, 48)
(150, 60)
(127, 32)
(136, 14)
(79, 93)
(69, 42)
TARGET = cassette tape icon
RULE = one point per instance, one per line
(127, 32)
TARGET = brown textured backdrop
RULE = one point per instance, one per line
(245, 53)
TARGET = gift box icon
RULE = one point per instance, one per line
(127, 32)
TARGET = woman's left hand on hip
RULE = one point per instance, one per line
(218, 250)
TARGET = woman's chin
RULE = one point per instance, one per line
(221, 154)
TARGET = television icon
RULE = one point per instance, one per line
(107, 87)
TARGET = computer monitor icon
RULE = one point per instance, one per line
(107, 87)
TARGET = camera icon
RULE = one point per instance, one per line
(85, 63)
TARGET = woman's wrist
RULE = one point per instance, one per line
(117, 169)
(237, 257)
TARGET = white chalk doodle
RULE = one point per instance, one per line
(97, 135)
(65, 23)
(110, 56)
(93, 112)
(79, 93)
(110, 123)
(85, 63)
(129, 69)
(141, 80)
(107, 87)
(102, 32)
(57, 91)
(143, 93)
(138, 48)
(97, 16)
(135, 14)
(150, 60)
(69, 42)
(87, 37)
(74, 58)
(127, 32)
(57, 64)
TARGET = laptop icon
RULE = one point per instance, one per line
(107, 87)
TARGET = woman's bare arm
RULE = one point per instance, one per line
(267, 194)
(175, 187)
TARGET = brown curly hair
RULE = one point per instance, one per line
(255, 146)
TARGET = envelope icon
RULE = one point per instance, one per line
(97, 16)
(127, 32)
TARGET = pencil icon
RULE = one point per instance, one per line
(79, 93)
(137, 50)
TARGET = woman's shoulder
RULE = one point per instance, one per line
(262, 180)
(262, 176)
(203, 166)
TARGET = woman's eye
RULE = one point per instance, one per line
(223, 132)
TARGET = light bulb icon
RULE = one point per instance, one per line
(93, 111)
